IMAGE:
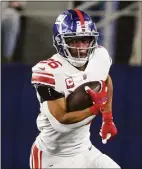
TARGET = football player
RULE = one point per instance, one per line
(64, 139)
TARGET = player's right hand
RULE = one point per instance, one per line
(99, 98)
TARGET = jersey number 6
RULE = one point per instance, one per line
(53, 63)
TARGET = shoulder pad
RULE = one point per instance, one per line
(104, 53)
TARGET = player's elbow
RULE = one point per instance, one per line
(59, 126)
(63, 120)
(59, 117)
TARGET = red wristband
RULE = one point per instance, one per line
(107, 116)
(93, 110)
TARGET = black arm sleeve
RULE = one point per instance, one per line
(47, 93)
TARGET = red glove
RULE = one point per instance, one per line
(108, 128)
(99, 98)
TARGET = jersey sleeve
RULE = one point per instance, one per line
(42, 76)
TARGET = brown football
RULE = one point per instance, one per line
(79, 99)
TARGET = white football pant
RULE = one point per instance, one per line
(91, 158)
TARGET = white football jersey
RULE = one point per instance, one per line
(58, 73)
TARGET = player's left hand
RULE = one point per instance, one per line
(99, 98)
(108, 128)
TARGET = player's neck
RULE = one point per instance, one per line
(81, 68)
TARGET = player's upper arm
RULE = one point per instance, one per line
(56, 101)
(53, 105)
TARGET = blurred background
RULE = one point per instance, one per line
(26, 38)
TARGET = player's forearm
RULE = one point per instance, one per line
(76, 116)
(63, 128)
(108, 107)
(64, 117)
